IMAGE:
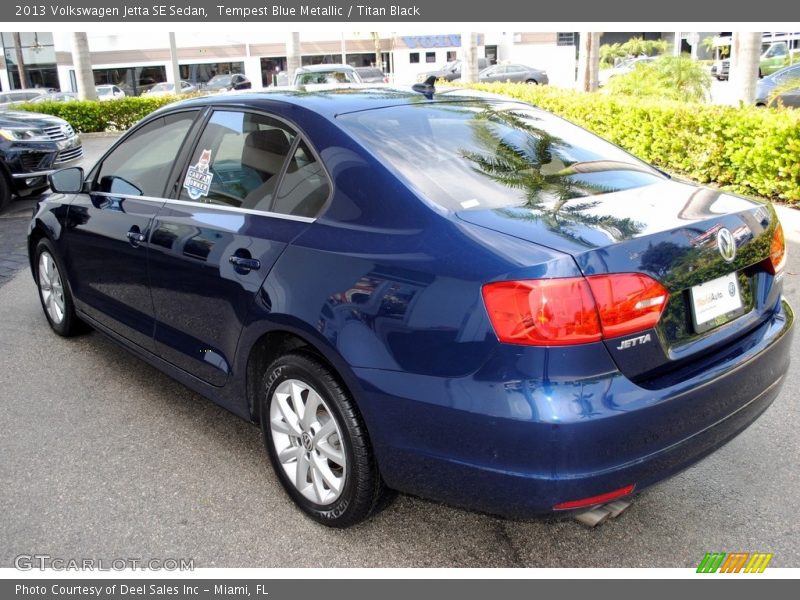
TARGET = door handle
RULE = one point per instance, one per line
(245, 264)
(136, 237)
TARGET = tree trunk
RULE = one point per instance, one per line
(589, 61)
(293, 60)
(175, 71)
(376, 39)
(745, 54)
(469, 57)
(23, 76)
(83, 66)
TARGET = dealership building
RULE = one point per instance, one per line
(135, 60)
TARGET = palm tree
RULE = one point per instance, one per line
(23, 76)
(376, 39)
(83, 66)
(558, 198)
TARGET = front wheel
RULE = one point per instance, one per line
(317, 442)
(532, 82)
(54, 292)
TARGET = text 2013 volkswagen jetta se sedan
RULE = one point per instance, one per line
(461, 297)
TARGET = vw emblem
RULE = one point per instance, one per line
(726, 244)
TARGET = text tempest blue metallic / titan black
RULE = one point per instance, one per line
(449, 294)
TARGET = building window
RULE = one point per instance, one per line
(430, 57)
(38, 57)
(451, 55)
(199, 74)
(413, 57)
(566, 38)
(131, 80)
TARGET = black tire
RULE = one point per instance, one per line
(532, 82)
(69, 324)
(362, 490)
(5, 192)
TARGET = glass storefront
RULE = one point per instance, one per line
(201, 73)
(270, 69)
(37, 56)
(131, 80)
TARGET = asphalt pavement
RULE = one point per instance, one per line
(105, 457)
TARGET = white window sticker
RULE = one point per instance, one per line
(470, 203)
(198, 178)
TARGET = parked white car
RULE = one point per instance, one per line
(108, 92)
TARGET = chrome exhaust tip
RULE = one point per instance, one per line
(601, 514)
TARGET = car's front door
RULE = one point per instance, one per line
(251, 185)
(109, 226)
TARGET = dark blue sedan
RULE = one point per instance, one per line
(452, 295)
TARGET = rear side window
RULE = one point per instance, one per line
(256, 162)
(238, 160)
(477, 155)
(141, 164)
(304, 188)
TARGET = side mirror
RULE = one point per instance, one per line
(66, 181)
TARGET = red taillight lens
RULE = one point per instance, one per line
(573, 310)
(543, 312)
(599, 499)
(777, 251)
(627, 302)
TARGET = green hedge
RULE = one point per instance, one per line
(746, 150)
(88, 116)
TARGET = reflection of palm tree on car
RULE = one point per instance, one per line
(533, 164)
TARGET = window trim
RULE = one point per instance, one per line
(300, 136)
(222, 207)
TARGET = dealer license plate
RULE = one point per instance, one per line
(716, 302)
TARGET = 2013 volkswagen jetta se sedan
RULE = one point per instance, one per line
(457, 296)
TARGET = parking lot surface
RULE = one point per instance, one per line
(105, 457)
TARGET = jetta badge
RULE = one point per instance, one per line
(726, 244)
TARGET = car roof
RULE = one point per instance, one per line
(337, 100)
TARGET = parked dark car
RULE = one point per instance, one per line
(514, 74)
(453, 295)
(451, 71)
(31, 147)
(372, 75)
(221, 83)
(789, 95)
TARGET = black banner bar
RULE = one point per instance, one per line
(365, 11)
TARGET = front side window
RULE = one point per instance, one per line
(141, 164)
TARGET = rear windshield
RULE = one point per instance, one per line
(477, 155)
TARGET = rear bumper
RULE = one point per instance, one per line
(520, 444)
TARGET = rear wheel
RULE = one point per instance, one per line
(54, 291)
(317, 442)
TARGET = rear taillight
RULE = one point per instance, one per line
(543, 312)
(777, 251)
(573, 310)
(627, 302)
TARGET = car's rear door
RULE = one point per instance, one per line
(109, 226)
(251, 186)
